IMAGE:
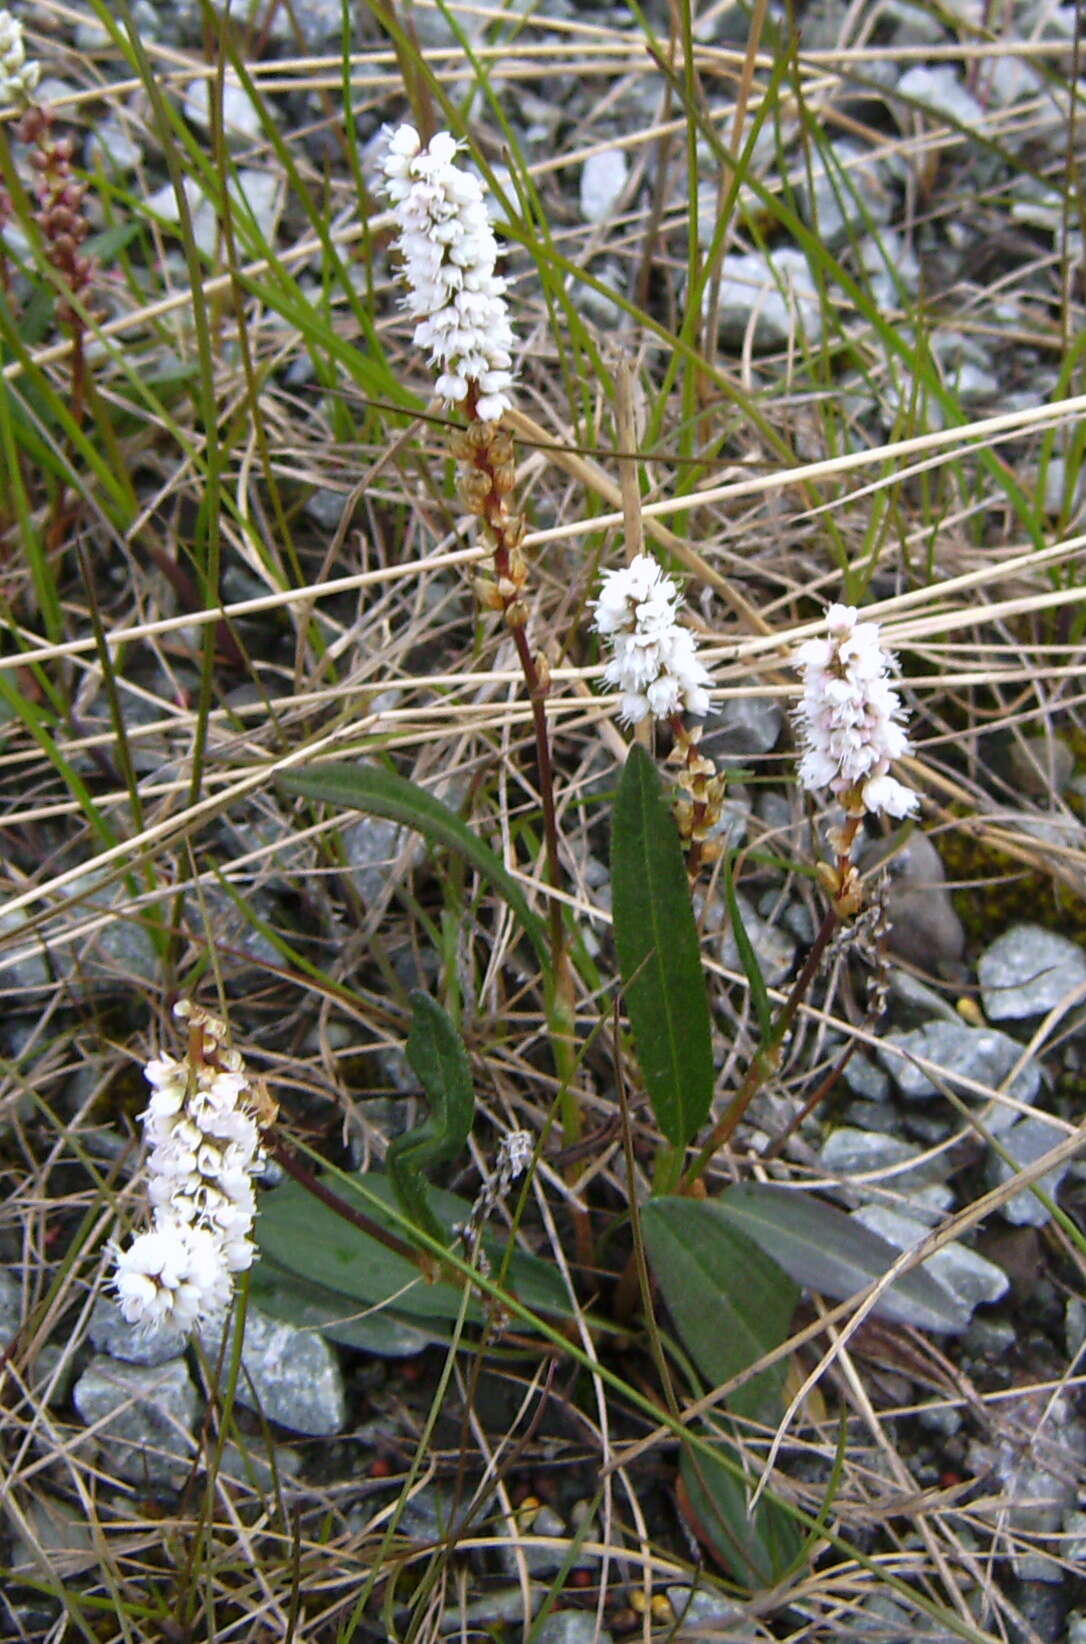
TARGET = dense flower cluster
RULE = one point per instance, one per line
(449, 253)
(202, 1126)
(654, 661)
(18, 78)
(849, 718)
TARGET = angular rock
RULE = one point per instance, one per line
(291, 1376)
(114, 146)
(540, 1561)
(924, 928)
(147, 1415)
(847, 193)
(1033, 1461)
(939, 89)
(1027, 1140)
(969, 1278)
(109, 1333)
(745, 727)
(775, 949)
(776, 294)
(603, 177)
(240, 115)
(848, 1152)
(1027, 971)
(571, 1627)
(983, 1055)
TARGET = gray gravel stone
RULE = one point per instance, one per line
(863, 1078)
(11, 1307)
(969, 1278)
(848, 1152)
(114, 146)
(1042, 764)
(940, 90)
(775, 949)
(844, 198)
(1027, 1140)
(603, 177)
(571, 1627)
(540, 1561)
(240, 115)
(745, 727)
(924, 928)
(695, 1607)
(1033, 1462)
(109, 1333)
(120, 950)
(291, 1376)
(1027, 970)
(373, 846)
(775, 294)
(983, 1055)
(147, 1413)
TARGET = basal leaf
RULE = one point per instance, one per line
(311, 1306)
(378, 792)
(826, 1250)
(312, 1243)
(436, 1053)
(757, 1549)
(659, 959)
(730, 1302)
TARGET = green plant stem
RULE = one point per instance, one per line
(767, 1057)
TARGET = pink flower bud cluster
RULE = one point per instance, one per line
(449, 253)
(203, 1133)
(849, 718)
(654, 660)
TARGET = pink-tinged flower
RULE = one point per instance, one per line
(654, 661)
(202, 1126)
(849, 719)
(449, 253)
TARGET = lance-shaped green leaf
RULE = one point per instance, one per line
(436, 1053)
(748, 958)
(307, 1238)
(730, 1302)
(378, 792)
(826, 1250)
(659, 960)
(756, 1548)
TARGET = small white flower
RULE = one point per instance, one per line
(18, 77)
(654, 661)
(849, 717)
(515, 1154)
(449, 253)
(202, 1130)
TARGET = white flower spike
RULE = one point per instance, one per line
(654, 662)
(202, 1125)
(449, 253)
(849, 718)
(18, 78)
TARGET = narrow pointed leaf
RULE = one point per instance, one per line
(436, 1053)
(826, 1250)
(757, 1549)
(748, 958)
(378, 792)
(730, 1302)
(299, 1233)
(659, 959)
